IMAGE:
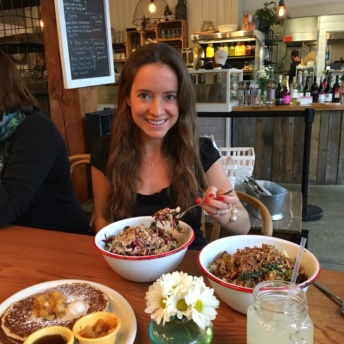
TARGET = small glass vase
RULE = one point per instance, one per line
(181, 331)
(263, 97)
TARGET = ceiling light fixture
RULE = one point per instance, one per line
(282, 12)
(149, 11)
(152, 7)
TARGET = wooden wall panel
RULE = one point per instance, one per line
(333, 148)
(289, 147)
(324, 133)
(279, 147)
(314, 155)
(341, 152)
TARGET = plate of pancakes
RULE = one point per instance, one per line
(19, 318)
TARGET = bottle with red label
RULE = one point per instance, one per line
(336, 91)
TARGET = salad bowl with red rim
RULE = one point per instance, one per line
(240, 297)
(144, 268)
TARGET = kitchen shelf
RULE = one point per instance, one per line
(176, 28)
(218, 38)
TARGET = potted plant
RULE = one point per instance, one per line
(266, 15)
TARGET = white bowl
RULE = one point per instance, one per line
(240, 298)
(143, 268)
(227, 27)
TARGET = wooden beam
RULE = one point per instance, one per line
(67, 106)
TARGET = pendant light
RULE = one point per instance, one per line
(282, 12)
(150, 11)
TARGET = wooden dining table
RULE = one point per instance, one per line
(30, 256)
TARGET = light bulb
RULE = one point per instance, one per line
(281, 11)
(152, 7)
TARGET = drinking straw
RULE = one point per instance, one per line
(295, 272)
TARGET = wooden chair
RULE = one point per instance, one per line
(76, 161)
(267, 226)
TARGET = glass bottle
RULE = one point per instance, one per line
(225, 48)
(279, 91)
(279, 314)
(328, 90)
(307, 88)
(243, 49)
(299, 90)
(315, 90)
(286, 92)
(181, 11)
(237, 51)
(209, 51)
(231, 51)
(293, 92)
(248, 49)
(336, 91)
(321, 91)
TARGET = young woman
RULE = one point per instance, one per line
(154, 157)
(36, 189)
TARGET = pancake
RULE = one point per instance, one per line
(19, 321)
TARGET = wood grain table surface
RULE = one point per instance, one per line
(31, 256)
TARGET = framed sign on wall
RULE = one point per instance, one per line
(84, 32)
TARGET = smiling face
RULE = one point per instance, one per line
(153, 100)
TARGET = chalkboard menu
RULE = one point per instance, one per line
(85, 42)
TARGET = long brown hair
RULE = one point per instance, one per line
(181, 143)
(14, 95)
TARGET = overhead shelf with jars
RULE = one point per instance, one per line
(172, 32)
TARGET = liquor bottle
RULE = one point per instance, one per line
(336, 91)
(326, 79)
(279, 91)
(321, 91)
(299, 90)
(315, 90)
(286, 92)
(294, 92)
(307, 88)
(328, 90)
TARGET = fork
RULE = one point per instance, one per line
(178, 216)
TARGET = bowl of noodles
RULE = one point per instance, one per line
(234, 265)
(141, 249)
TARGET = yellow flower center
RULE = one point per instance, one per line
(181, 305)
(162, 302)
(199, 306)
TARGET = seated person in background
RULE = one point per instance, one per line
(36, 188)
(154, 158)
(295, 56)
(219, 61)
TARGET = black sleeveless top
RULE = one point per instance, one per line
(147, 205)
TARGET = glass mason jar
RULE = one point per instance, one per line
(181, 331)
(279, 315)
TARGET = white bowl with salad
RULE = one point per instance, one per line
(141, 249)
(235, 264)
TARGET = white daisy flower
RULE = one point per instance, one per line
(182, 296)
(203, 304)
